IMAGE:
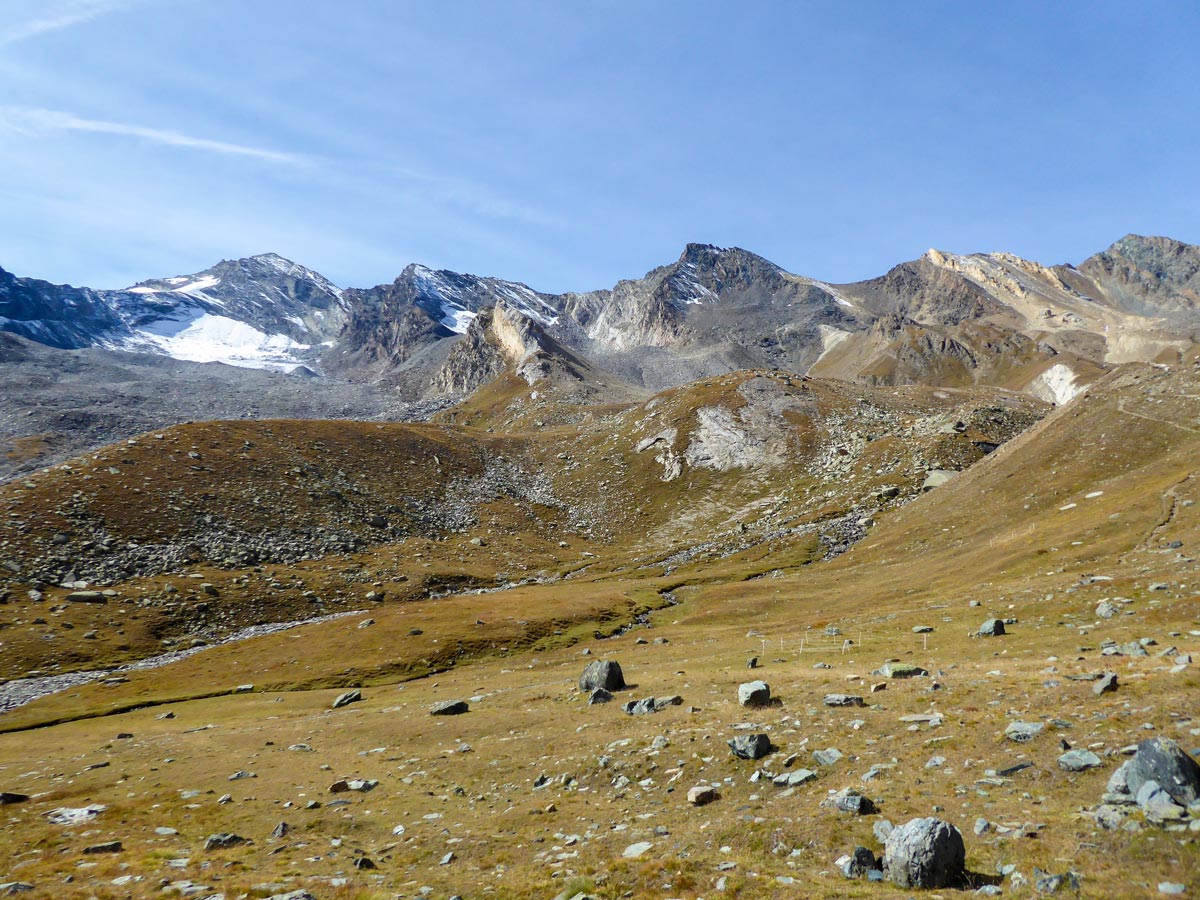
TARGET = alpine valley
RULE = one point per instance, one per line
(711, 583)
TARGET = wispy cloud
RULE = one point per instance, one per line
(55, 16)
(31, 120)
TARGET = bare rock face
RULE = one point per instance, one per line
(602, 673)
(925, 853)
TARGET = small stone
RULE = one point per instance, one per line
(1079, 761)
(280, 830)
(106, 847)
(600, 695)
(1171, 887)
(346, 699)
(357, 785)
(223, 840)
(750, 746)
(702, 794)
(633, 851)
(828, 756)
(901, 670)
(843, 700)
(849, 800)
(1106, 684)
(1022, 732)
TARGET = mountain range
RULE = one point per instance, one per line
(264, 337)
(944, 319)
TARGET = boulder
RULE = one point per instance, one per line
(992, 628)
(346, 699)
(750, 746)
(449, 708)
(702, 794)
(1105, 684)
(1164, 761)
(754, 693)
(925, 853)
(599, 695)
(602, 673)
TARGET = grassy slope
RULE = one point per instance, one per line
(997, 534)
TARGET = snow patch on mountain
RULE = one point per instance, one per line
(194, 334)
(1056, 385)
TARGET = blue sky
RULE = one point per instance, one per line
(572, 144)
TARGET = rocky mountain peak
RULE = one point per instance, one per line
(1157, 274)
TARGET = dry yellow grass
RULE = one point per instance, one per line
(1004, 534)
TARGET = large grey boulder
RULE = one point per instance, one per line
(602, 673)
(754, 693)
(992, 628)
(1164, 761)
(925, 853)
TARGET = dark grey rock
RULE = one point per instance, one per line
(925, 853)
(8, 797)
(86, 597)
(106, 847)
(449, 708)
(750, 746)
(280, 830)
(602, 673)
(858, 863)
(346, 699)
(223, 840)
(1163, 761)
(641, 707)
(600, 695)
(992, 628)
(1105, 684)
